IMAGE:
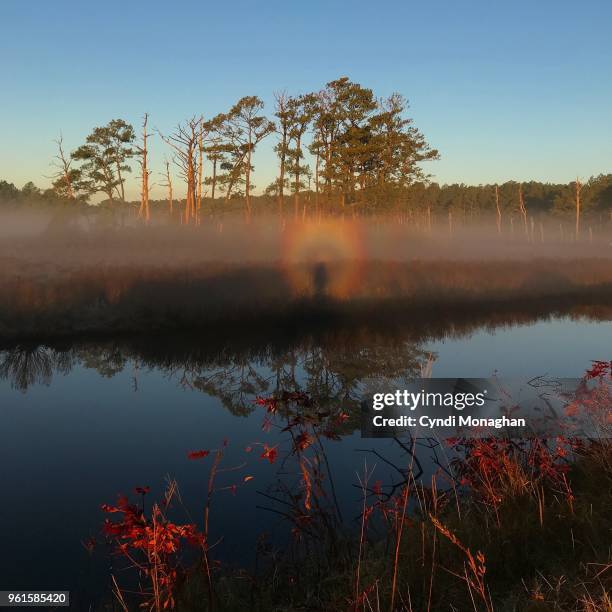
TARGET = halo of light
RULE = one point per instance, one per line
(323, 257)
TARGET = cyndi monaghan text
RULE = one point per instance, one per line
(449, 421)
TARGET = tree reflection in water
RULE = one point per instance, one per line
(329, 371)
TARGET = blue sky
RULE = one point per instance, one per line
(515, 90)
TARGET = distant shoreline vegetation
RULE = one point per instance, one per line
(462, 203)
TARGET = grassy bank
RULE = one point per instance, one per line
(538, 554)
(505, 525)
(38, 302)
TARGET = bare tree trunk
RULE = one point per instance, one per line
(247, 187)
(578, 188)
(169, 185)
(232, 181)
(523, 209)
(328, 181)
(199, 181)
(64, 168)
(317, 182)
(144, 190)
(121, 187)
(200, 168)
(184, 141)
(499, 215)
(190, 200)
(109, 180)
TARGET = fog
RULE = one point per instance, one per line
(87, 273)
(56, 238)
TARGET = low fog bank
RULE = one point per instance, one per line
(72, 276)
(74, 241)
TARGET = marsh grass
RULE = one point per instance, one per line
(504, 526)
(113, 300)
(460, 560)
(65, 281)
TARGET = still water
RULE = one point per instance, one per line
(82, 423)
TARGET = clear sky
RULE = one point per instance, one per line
(505, 90)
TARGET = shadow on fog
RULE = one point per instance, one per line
(66, 281)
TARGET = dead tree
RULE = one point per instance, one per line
(168, 185)
(145, 173)
(499, 215)
(66, 177)
(185, 143)
(578, 189)
(523, 210)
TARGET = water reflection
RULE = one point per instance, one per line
(329, 373)
(88, 436)
(328, 360)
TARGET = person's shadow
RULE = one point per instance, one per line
(320, 279)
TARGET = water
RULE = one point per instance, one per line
(84, 422)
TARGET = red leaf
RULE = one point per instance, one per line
(198, 454)
(270, 453)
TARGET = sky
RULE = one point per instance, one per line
(516, 90)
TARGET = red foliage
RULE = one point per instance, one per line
(151, 546)
(200, 454)
(599, 369)
(270, 453)
(492, 467)
(270, 403)
(342, 418)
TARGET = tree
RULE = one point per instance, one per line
(363, 143)
(104, 158)
(578, 190)
(145, 173)
(216, 149)
(301, 113)
(397, 147)
(353, 106)
(523, 209)
(283, 113)
(185, 141)
(200, 169)
(498, 209)
(30, 190)
(67, 181)
(217, 155)
(8, 192)
(168, 186)
(243, 129)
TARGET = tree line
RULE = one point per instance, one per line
(338, 149)
(469, 202)
(360, 147)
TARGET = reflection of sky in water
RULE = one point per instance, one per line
(69, 447)
(562, 348)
